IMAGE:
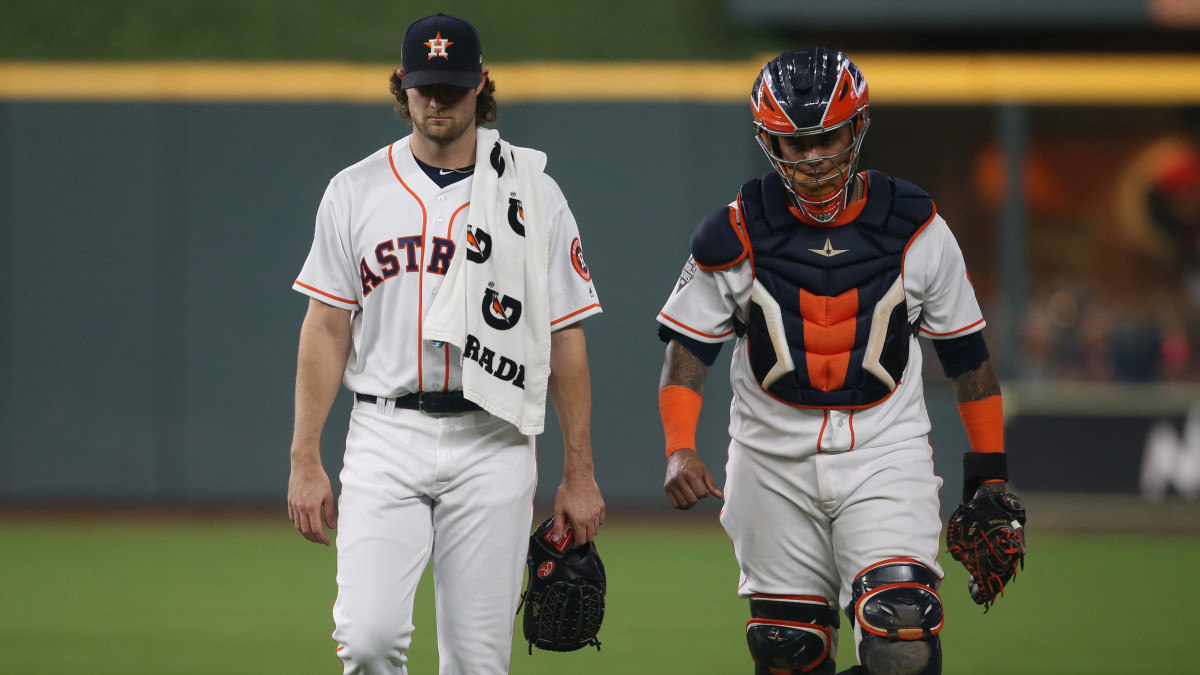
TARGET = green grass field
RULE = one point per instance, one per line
(248, 595)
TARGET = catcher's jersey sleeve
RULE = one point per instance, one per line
(328, 272)
(704, 303)
(938, 287)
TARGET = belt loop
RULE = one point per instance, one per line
(389, 406)
(380, 405)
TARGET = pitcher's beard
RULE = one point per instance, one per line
(443, 133)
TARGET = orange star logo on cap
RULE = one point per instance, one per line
(437, 47)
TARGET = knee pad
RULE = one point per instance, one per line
(897, 609)
(790, 634)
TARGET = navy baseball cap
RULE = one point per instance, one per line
(441, 49)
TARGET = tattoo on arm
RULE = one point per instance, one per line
(683, 368)
(976, 385)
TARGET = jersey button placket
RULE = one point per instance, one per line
(839, 438)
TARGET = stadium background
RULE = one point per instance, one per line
(160, 165)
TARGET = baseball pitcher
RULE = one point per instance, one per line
(446, 286)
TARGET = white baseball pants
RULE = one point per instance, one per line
(810, 526)
(458, 488)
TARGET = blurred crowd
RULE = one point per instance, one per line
(1113, 257)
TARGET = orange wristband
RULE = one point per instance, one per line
(680, 411)
(984, 422)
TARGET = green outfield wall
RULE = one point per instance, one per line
(148, 249)
(152, 219)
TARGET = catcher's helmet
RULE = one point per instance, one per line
(805, 93)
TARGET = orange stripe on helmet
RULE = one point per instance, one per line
(767, 110)
(849, 96)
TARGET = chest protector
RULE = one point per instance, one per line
(828, 320)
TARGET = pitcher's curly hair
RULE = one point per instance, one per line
(485, 103)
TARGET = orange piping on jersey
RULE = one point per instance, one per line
(578, 311)
(851, 431)
(904, 256)
(450, 229)
(693, 330)
(742, 237)
(317, 290)
(821, 435)
(829, 327)
(421, 273)
(953, 332)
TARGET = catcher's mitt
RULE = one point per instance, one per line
(564, 598)
(987, 535)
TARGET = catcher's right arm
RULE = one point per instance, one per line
(987, 535)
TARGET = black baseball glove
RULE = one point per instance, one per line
(564, 597)
(987, 535)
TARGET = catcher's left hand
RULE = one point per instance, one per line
(564, 597)
(987, 535)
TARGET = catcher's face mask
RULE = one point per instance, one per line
(804, 94)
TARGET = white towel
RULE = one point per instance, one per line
(494, 303)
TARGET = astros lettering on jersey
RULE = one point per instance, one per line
(401, 239)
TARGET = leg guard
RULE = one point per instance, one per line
(899, 614)
(791, 634)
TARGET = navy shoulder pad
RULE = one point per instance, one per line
(911, 203)
(718, 241)
(894, 197)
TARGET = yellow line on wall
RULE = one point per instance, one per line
(900, 79)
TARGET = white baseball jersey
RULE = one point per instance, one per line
(839, 490)
(456, 488)
(703, 307)
(384, 239)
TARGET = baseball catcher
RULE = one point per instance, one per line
(823, 277)
(986, 534)
(564, 598)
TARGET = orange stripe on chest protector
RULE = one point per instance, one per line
(829, 327)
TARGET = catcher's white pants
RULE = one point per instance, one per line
(457, 487)
(809, 526)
